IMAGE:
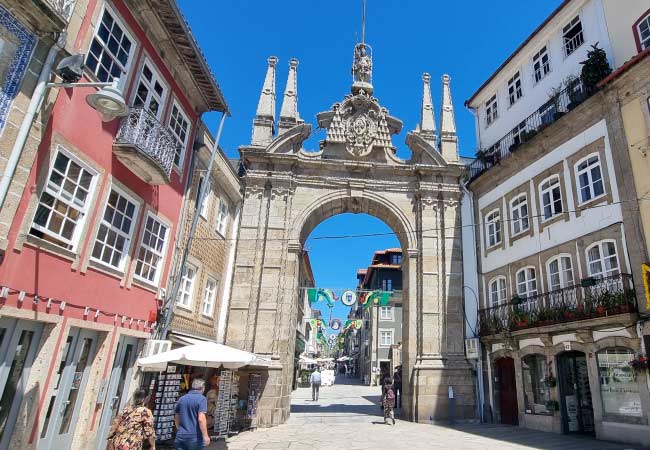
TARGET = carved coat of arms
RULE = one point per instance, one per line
(361, 132)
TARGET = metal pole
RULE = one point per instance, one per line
(169, 302)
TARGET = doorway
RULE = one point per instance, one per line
(575, 394)
(505, 371)
(69, 384)
(118, 386)
(18, 346)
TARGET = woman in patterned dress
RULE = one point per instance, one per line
(388, 400)
(132, 426)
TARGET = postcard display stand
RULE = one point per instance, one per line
(226, 402)
(166, 396)
(254, 386)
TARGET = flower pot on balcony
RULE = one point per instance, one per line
(522, 324)
(569, 315)
(600, 311)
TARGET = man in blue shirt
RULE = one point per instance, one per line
(190, 419)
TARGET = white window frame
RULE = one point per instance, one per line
(544, 67)
(493, 228)
(391, 332)
(515, 88)
(73, 242)
(501, 291)
(521, 219)
(562, 272)
(572, 23)
(157, 77)
(221, 221)
(204, 208)
(386, 313)
(185, 296)
(125, 29)
(601, 259)
(181, 159)
(396, 258)
(549, 190)
(527, 292)
(161, 255)
(127, 237)
(207, 307)
(387, 285)
(644, 43)
(491, 110)
(590, 184)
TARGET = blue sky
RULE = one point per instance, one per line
(466, 39)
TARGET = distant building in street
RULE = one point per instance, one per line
(382, 325)
(559, 241)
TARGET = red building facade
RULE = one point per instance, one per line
(90, 245)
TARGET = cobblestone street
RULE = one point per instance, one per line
(347, 417)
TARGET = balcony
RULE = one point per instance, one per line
(145, 146)
(593, 298)
(557, 106)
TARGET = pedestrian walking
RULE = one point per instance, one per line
(388, 400)
(397, 383)
(190, 419)
(132, 426)
(315, 380)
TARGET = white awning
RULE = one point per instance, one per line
(206, 354)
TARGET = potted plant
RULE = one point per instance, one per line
(594, 68)
(554, 98)
(552, 405)
(574, 90)
(640, 363)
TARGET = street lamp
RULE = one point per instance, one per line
(108, 101)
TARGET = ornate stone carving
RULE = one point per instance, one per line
(362, 68)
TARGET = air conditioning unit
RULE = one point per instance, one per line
(472, 348)
(154, 346)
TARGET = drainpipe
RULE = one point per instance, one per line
(168, 309)
(225, 299)
(28, 120)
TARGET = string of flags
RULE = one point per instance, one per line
(348, 297)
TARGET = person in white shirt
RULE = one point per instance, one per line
(315, 380)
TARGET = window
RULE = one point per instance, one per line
(560, 273)
(572, 36)
(541, 64)
(519, 210)
(151, 91)
(111, 50)
(643, 32)
(491, 111)
(204, 206)
(498, 291)
(602, 259)
(514, 89)
(526, 282)
(385, 338)
(186, 288)
(493, 225)
(386, 313)
(152, 247)
(518, 133)
(63, 204)
(387, 285)
(536, 391)
(222, 217)
(590, 179)
(115, 230)
(179, 125)
(396, 258)
(551, 197)
(618, 385)
(209, 295)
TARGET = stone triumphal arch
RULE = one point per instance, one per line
(289, 190)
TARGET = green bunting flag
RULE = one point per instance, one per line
(381, 298)
(316, 295)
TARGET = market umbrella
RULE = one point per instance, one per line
(307, 360)
(207, 354)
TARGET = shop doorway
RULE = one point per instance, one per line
(505, 371)
(18, 346)
(118, 386)
(575, 394)
(69, 385)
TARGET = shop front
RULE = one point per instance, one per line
(573, 385)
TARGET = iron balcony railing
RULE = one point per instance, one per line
(143, 131)
(559, 104)
(594, 297)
